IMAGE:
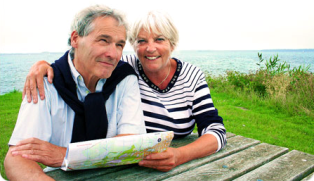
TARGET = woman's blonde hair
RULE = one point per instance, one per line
(155, 22)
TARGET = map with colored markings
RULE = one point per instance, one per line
(114, 151)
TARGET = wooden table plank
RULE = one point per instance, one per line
(189, 139)
(229, 135)
(294, 165)
(87, 174)
(241, 157)
(235, 165)
(235, 144)
(81, 175)
(309, 177)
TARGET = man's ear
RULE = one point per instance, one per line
(74, 39)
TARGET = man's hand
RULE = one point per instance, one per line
(164, 161)
(35, 78)
(40, 151)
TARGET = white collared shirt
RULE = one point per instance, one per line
(52, 119)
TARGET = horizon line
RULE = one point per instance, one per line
(280, 49)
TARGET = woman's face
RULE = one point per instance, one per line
(153, 51)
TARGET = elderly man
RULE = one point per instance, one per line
(94, 96)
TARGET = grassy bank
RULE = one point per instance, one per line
(258, 120)
(9, 108)
(274, 105)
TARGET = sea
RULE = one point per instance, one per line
(15, 67)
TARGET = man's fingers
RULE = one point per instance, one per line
(35, 155)
(29, 141)
(24, 149)
(26, 152)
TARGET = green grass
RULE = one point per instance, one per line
(265, 123)
(9, 108)
(274, 104)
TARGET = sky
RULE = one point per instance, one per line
(34, 26)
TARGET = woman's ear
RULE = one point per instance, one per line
(172, 47)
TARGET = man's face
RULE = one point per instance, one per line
(97, 54)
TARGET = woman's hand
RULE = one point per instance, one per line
(35, 78)
(206, 145)
(164, 161)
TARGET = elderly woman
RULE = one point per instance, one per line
(174, 94)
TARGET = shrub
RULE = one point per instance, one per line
(289, 89)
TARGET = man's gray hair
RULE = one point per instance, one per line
(83, 21)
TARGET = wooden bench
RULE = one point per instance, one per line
(242, 159)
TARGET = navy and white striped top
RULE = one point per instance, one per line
(185, 102)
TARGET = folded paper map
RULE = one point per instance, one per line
(114, 151)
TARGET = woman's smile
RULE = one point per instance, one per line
(152, 57)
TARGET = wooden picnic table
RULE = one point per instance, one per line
(242, 159)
